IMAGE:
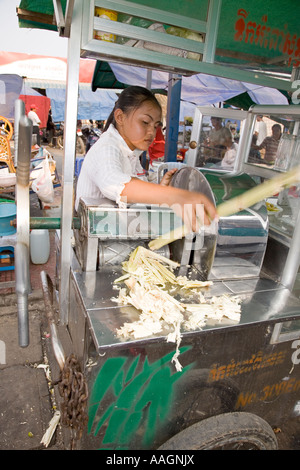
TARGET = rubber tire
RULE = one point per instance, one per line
(228, 431)
(80, 147)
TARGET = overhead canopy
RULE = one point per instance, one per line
(91, 105)
(10, 89)
(13, 88)
(257, 36)
(37, 67)
(200, 89)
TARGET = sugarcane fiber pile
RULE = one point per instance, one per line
(149, 280)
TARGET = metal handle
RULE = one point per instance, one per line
(19, 112)
(24, 150)
(23, 211)
(22, 291)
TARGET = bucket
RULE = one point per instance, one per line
(39, 246)
(8, 212)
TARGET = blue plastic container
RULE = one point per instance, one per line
(78, 165)
(8, 211)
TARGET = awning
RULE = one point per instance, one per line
(10, 89)
(200, 89)
(36, 68)
(91, 105)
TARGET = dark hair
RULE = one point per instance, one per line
(131, 98)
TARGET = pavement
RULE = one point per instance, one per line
(27, 400)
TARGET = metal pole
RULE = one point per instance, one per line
(23, 212)
(173, 108)
(149, 79)
(52, 223)
(71, 108)
(19, 111)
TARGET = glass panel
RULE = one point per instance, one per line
(275, 142)
(218, 143)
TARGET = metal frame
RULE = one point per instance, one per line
(121, 53)
(245, 141)
(292, 263)
(63, 22)
(202, 111)
(71, 107)
(82, 43)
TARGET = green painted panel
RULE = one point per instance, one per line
(259, 34)
(267, 29)
(190, 8)
(40, 6)
(132, 396)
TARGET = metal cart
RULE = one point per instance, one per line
(239, 383)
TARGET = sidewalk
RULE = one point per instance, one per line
(26, 400)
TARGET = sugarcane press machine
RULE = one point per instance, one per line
(234, 375)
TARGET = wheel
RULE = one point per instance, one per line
(60, 141)
(80, 148)
(236, 431)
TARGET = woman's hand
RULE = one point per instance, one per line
(194, 208)
(167, 177)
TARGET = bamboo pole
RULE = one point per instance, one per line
(243, 201)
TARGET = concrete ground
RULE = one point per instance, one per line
(27, 402)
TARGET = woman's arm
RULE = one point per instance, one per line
(189, 205)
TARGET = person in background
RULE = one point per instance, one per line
(35, 123)
(111, 168)
(215, 143)
(230, 154)
(270, 145)
(260, 129)
(254, 153)
(157, 149)
(50, 128)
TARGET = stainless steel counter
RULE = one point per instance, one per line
(262, 300)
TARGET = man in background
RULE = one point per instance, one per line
(270, 145)
(216, 142)
(35, 123)
(260, 129)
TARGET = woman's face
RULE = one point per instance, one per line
(138, 127)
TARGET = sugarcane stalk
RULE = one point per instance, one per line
(232, 206)
(165, 239)
(259, 192)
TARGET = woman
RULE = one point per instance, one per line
(112, 168)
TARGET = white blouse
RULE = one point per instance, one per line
(107, 167)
